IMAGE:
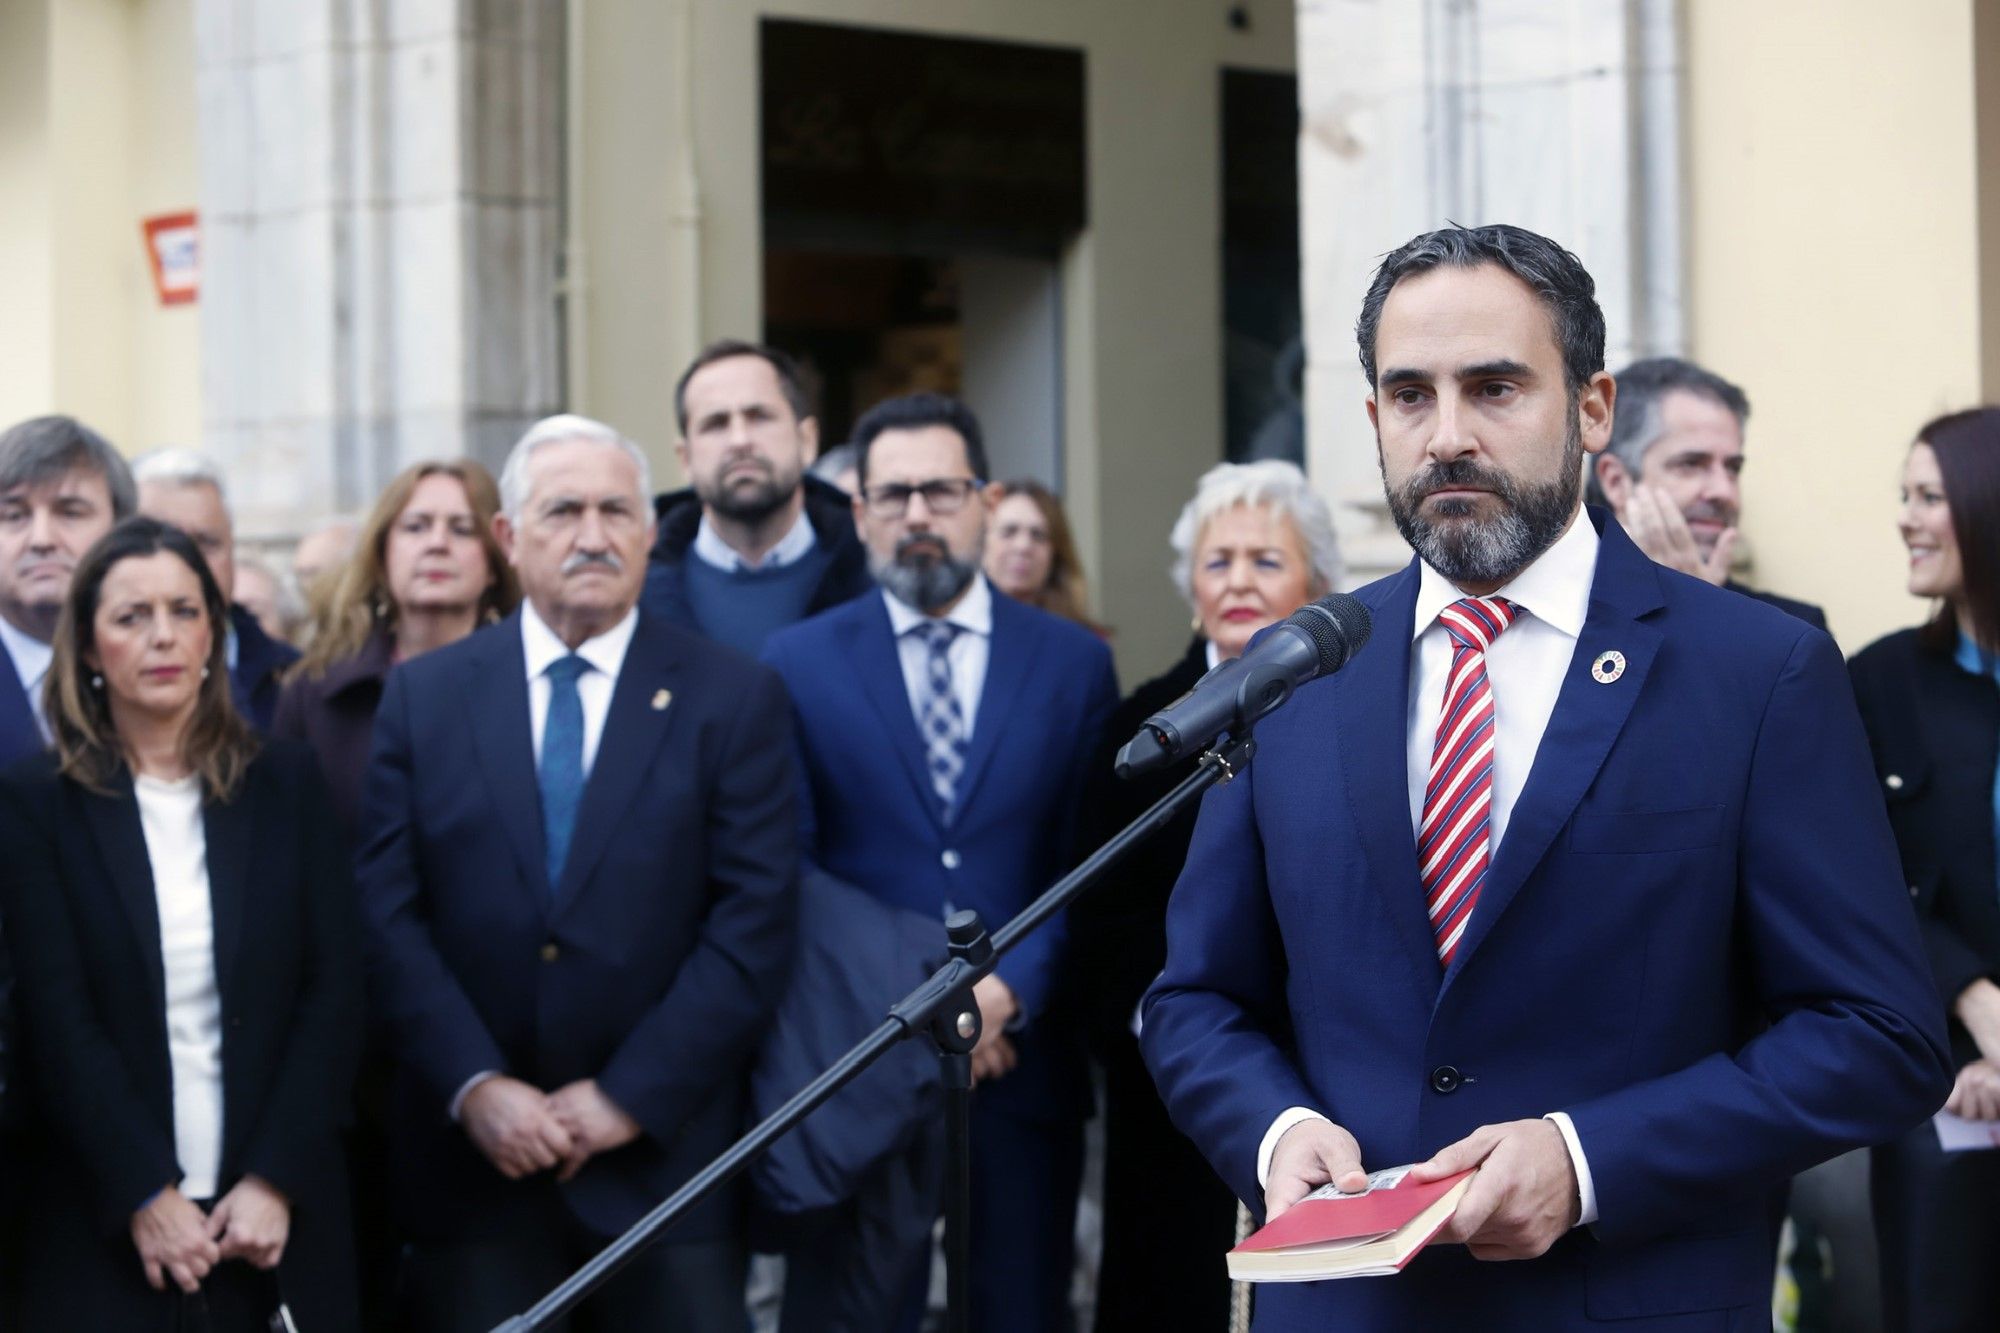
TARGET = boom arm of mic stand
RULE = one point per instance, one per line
(910, 1017)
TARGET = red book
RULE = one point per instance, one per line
(1329, 1234)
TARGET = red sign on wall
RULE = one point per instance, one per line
(173, 247)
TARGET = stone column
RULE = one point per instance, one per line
(1562, 117)
(381, 189)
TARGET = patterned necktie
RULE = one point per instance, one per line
(939, 718)
(561, 769)
(1452, 843)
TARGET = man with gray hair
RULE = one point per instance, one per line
(181, 487)
(1673, 471)
(579, 844)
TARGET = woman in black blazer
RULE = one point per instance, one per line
(1253, 546)
(1932, 709)
(186, 945)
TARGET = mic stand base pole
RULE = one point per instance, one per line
(955, 1031)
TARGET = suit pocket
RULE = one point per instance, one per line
(1638, 831)
(1680, 1275)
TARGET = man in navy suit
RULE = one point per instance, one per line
(62, 486)
(1578, 874)
(944, 729)
(181, 487)
(579, 870)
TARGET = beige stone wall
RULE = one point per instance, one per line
(1835, 269)
(96, 132)
(667, 221)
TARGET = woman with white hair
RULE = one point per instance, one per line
(1253, 545)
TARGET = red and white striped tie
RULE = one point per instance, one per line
(1452, 843)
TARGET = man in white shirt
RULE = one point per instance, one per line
(1577, 876)
(578, 865)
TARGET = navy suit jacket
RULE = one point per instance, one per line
(652, 967)
(20, 735)
(874, 822)
(1693, 939)
(256, 680)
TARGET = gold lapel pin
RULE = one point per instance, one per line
(661, 698)
(1608, 667)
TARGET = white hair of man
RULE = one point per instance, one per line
(1271, 484)
(174, 466)
(551, 430)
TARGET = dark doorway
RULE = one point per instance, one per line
(1263, 343)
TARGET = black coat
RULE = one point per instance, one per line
(1805, 611)
(1935, 731)
(84, 926)
(335, 714)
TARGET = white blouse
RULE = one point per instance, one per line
(177, 846)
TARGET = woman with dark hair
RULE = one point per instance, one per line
(188, 975)
(1932, 709)
(426, 571)
(1031, 556)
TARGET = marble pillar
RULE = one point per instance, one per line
(381, 185)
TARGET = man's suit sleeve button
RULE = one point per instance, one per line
(551, 951)
(1445, 1079)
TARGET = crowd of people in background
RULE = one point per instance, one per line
(385, 935)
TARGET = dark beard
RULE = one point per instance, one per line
(926, 581)
(1467, 550)
(750, 502)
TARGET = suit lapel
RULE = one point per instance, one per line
(121, 844)
(229, 829)
(632, 732)
(1010, 654)
(870, 643)
(20, 733)
(1371, 707)
(496, 698)
(1582, 729)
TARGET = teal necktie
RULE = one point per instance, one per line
(561, 770)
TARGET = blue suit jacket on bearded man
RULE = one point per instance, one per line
(1693, 939)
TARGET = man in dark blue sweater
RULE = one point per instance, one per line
(753, 544)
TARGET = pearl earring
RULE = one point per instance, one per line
(204, 673)
(96, 682)
(1195, 624)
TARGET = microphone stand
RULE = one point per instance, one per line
(943, 1009)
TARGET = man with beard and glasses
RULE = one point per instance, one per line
(1673, 471)
(944, 730)
(1578, 874)
(754, 542)
(578, 869)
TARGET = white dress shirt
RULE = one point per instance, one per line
(540, 648)
(968, 653)
(177, 849)
(606, 655)
(31, 663)
(1526, 667)
(793, 547)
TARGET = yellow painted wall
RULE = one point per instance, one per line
(670, 244)
(97, 130)
(1835, 274)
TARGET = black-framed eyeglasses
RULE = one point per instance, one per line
(944, 496)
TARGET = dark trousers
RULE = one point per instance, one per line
(1937, 1222)
(474, 1285)
(1168, 1218)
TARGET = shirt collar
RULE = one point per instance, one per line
(793, 547)
(1973, 659)
(974, 612)
(31, 656)
(605, 652)
(1555, 589)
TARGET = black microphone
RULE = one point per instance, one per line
(1315, 640)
